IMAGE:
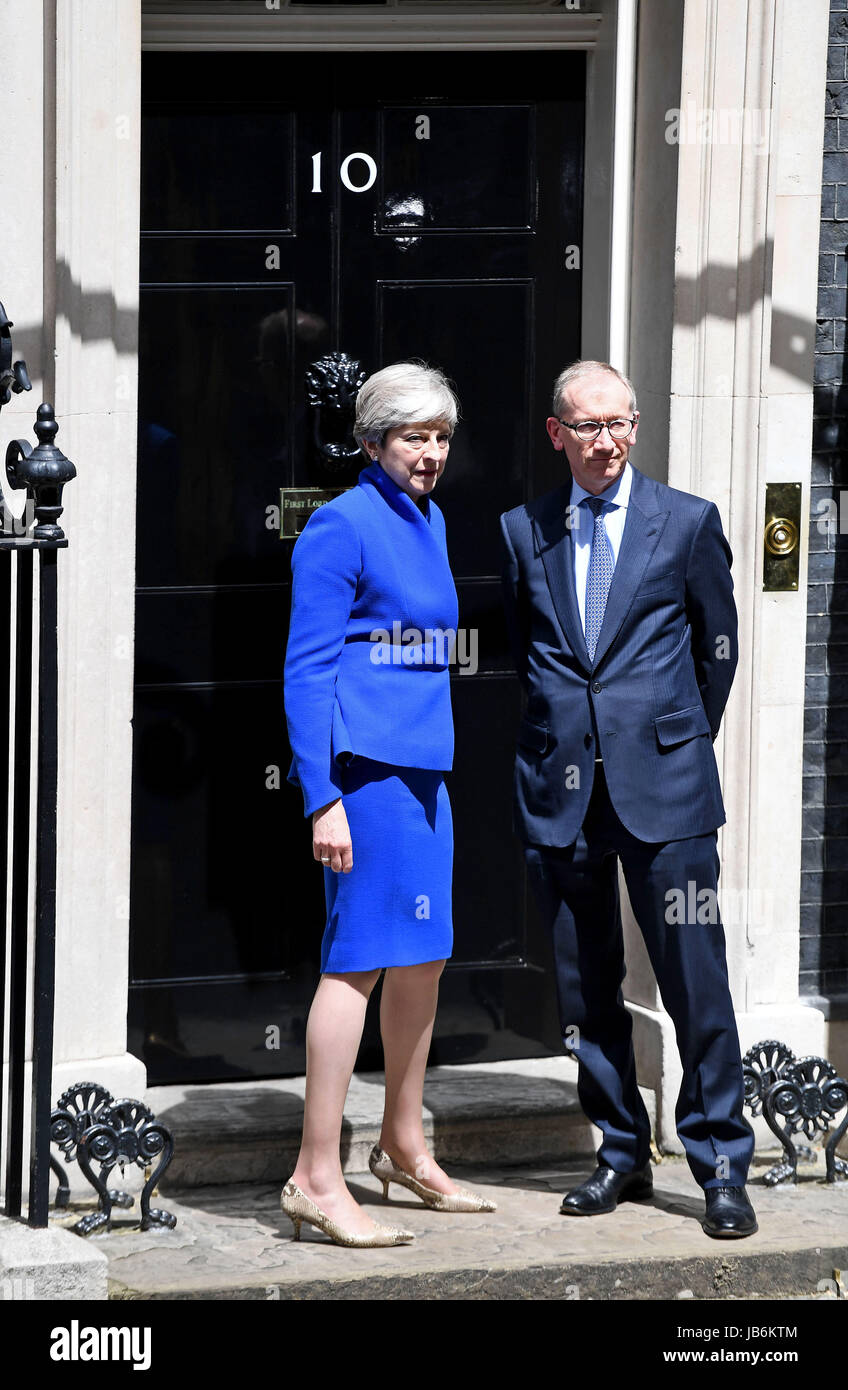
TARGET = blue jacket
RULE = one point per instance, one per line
(369, 562)
(654, 696)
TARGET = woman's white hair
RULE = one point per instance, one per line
(576, 371)
(400, 394)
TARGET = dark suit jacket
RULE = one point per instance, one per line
(652, 700)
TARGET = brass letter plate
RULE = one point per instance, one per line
(782, 536)
(297, 505)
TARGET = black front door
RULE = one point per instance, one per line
(387, 206)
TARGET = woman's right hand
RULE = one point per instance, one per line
(331, 837)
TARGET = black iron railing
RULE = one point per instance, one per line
(41, 473)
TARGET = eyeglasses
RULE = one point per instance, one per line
(588, 430)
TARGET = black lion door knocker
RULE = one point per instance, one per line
(332, 384)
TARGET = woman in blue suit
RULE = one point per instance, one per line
(367, 694)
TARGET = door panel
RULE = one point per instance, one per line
(218, 167)
(392, 206)
(453, 324)
(475, 171)
(214, 431)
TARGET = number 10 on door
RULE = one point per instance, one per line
(345, 172)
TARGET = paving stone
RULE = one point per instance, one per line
(232, 1242)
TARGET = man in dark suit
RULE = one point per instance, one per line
(620, 609)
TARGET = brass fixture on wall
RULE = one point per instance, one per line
(781, 537)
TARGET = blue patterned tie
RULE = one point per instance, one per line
(599, 577)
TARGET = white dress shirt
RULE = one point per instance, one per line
(582, 525)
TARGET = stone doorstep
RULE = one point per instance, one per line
(515, 1112)
(266, 1155)
(236, 1143)
(519, 1111)
(797, 1274)
(232, 1243)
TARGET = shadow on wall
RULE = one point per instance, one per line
(719, 291)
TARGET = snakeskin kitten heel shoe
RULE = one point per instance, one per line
(384, 1168)
(299, 1208)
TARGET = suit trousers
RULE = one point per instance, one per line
(672, 888)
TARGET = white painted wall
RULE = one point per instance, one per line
(740, 373)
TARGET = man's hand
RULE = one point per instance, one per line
(331, 837)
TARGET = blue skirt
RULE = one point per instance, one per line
(394, 907)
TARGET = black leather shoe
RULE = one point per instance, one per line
(729, 1214)
(605, 1189)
